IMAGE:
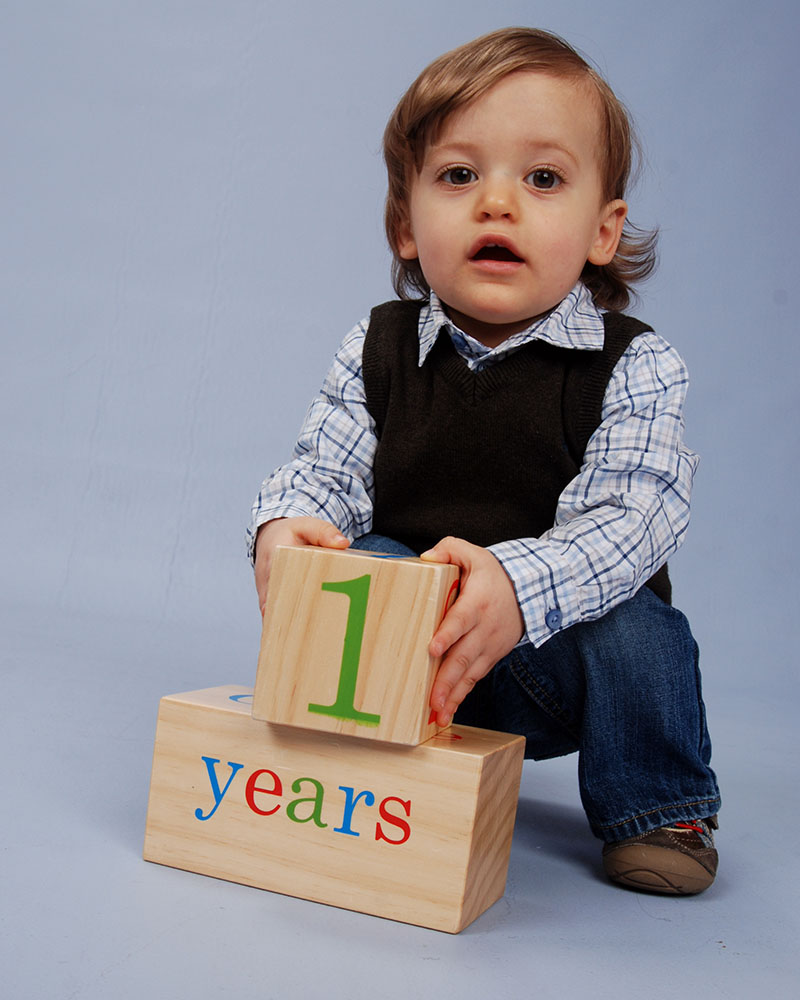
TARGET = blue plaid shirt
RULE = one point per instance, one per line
(617, 522)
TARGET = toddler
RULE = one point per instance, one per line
(506, 416)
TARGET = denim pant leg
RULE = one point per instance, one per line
(382, 544)
(624, 690)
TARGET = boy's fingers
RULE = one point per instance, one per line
(456, 623)
(465, 662)
(299, 531)
(324, 534)
(458, 675)
(449, 550)
(445, 689)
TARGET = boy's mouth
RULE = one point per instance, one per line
(497, 250)
(492, 252)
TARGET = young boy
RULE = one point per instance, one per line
(506, 417)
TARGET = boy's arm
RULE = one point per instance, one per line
(328, 480)
(617, 522)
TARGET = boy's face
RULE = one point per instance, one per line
(508, 206)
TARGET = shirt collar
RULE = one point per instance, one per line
(575, 323)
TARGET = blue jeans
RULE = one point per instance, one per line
(624, 692)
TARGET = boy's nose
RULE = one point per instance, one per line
(497, 198)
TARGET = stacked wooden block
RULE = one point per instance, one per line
(329, 780)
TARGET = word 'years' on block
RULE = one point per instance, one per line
(345, 642)
(418, 834)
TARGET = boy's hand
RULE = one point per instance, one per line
(290, 531)
(483, 624)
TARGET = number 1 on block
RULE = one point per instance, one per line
(344, 707)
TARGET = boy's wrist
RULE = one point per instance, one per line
(546, 592)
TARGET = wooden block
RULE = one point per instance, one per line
(345, 643)
(418, 834)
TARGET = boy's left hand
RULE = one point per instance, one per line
(483, 624)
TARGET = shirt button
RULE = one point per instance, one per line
(553, 619)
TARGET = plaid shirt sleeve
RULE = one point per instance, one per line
(625, 513)
(330, 472)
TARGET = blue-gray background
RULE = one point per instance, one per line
(190, 220)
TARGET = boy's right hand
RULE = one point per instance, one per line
(290, 531)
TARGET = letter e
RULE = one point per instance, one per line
(252, 788)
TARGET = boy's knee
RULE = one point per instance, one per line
(644, 633)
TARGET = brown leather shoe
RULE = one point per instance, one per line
(678, 860)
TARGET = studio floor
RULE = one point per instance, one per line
(83, 916)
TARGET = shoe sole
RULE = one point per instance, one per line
(656, 869)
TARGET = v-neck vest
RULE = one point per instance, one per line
(481, 455)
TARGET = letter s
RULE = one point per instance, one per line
(394, 820)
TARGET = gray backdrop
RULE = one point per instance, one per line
(191, 220)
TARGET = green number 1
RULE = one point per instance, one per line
(344, 706)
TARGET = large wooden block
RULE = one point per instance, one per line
(345, 643)
(419, 834)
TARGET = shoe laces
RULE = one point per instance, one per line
(699, 827)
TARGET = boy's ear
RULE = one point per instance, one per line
(609, 232)
(406, 244)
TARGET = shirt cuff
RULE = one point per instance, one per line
(544, 585)
(271, 513)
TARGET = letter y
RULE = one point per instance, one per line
(211, 763)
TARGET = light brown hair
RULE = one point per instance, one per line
(456, 79)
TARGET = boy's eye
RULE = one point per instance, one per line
(543, 179)
(458, 176)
